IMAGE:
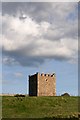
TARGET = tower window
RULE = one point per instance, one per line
(46, 79)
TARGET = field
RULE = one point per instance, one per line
(39, 107)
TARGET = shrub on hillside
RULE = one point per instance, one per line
(19, 95)
(65, 94)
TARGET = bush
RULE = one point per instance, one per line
(65, 94)
(19, 95)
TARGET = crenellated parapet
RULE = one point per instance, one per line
(47, 75)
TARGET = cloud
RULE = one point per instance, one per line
(18, 74)
(37, 38)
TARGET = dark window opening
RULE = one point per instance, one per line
(46, 79)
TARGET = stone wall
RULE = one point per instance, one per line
(33, 85)
(46, 85)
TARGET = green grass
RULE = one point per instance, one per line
(0, 107)
(39, 107)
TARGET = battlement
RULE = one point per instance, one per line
(47, 75)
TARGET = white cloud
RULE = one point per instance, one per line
(27, 41)
(18, 74)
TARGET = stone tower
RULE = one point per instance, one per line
(42, 85)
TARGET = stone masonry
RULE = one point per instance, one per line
(42, 85)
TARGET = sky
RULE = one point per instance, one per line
(39, 37)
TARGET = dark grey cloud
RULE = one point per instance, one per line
(38, 11)
(19, 58)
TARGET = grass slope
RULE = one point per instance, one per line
(39, 107)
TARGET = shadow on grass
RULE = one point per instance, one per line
(40, 118)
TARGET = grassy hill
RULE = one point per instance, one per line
(40, 107)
